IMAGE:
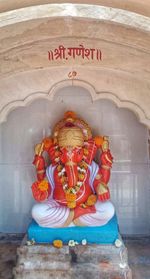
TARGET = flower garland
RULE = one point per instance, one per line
(71, 192)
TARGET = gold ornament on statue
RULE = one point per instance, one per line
(70, 136)
(71, 121)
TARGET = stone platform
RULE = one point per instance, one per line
(106, 234)
(43, 261)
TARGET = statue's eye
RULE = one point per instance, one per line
(79, 152)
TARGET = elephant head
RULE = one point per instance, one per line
(71, 141)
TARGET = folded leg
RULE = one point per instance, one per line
(51, 215)
(104, 212)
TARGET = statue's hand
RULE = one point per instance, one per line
(40, 190)
(103, 192)
(104, 197)
(106, 158)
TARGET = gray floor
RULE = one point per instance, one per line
(139, 257)
(138, 250)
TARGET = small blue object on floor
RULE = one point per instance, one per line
(106, 234)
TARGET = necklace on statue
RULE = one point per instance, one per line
(71, 192)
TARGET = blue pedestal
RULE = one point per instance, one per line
(106, 234)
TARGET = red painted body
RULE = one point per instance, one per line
(83, 194)
(70, 158)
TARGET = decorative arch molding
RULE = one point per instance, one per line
(78, 83)
(141, 7)
(90, 11)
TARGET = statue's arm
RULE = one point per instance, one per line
(103, 176)
(39, 163)
(41, 188)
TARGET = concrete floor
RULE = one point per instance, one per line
(138, 250)
(139, 257)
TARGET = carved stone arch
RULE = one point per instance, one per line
(101, 95)
(121, 33)
(78, 83)
(75, 10)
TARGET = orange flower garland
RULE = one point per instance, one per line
(71, 199)
(43, 185)
(70, 114)
(91, 200)
(40, 190)
(71, 193)
(99, 141)
(47, 142)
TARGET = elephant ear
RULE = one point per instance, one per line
(90, 151)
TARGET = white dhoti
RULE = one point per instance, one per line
(51, 214)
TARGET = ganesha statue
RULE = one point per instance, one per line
(72, 190)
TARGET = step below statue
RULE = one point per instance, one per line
(73, 189)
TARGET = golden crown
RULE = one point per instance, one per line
(71, 131)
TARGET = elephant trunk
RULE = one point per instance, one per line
(72, 173)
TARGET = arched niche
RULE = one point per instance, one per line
(26, 126)
(98, 88)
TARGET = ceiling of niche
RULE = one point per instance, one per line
(122, 33)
